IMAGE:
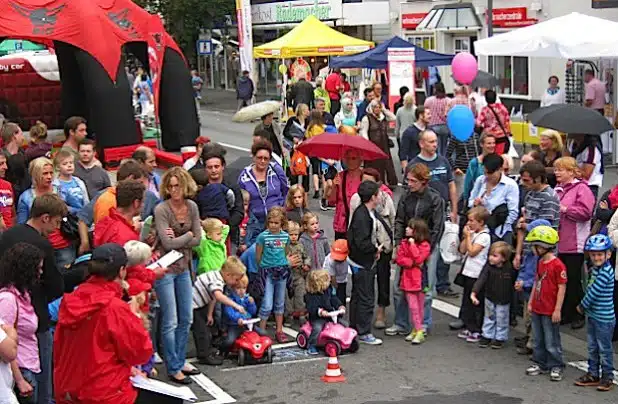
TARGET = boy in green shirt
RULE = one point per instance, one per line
(212, 251)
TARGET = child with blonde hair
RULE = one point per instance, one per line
(296, 306)
(315, 242)
(320, 300)
(207, 291)
(212, 250)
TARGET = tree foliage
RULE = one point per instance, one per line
(185, 18)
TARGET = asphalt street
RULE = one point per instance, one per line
(442, 370)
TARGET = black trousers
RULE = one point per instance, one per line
(201, 332)
(384, 279)
(363, 300)
(472, 315)
(335, 106)
(342, 292)
(295, 179)
(341, 235)
(574, 291)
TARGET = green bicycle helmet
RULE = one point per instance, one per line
(543, 236)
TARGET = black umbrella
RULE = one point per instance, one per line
(484, 80)
(570, 118)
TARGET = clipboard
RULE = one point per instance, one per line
(167, 260)
(159, 387)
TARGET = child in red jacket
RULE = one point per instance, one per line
(411, 255)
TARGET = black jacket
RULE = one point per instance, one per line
(302, 93)
(51, 286)
(361, 249)
(326, 300)
(496, 283)
(605, 215)
(428, 206)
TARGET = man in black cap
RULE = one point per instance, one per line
(109, 332)
(363, 255)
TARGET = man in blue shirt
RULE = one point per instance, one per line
(494, 189)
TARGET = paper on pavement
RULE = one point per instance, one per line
(167, 260)
(182, 392)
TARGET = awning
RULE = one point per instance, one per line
(573, 36)
(459, 16)
(311, 38)
(377, 58)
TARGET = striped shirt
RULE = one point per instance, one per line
(543, 204)
(460, 153)
(205, 286)
(599, 299)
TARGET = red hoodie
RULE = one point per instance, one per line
(97, 341)
(115, 229)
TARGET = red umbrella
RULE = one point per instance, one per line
(335, 145)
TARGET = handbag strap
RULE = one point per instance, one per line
(498, 119)
(346, 205)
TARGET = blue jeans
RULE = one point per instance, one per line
(31, 378)
(496, 321)
(442, 269)
(274, 297)
(402, 316)
(600, 352)
(547, 352)
(175, 294)
(254, 228)
(65, 256)
(44, 382)
(432, 278)
(444, 135)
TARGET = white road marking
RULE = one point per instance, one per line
(231, 146)
(234, 369)
(445, 307)
(583, 366)
(286, 345)
(220, 396)
(290, 332)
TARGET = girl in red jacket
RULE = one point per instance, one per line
(411, 254)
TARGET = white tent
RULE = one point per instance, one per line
(573, 36)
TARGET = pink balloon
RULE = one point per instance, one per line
(465, 67)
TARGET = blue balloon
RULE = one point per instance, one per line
(460, 121)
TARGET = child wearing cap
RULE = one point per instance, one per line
(336, 263)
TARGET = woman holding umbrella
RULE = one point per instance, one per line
(267, 186)
(576, 208)
(374, 127)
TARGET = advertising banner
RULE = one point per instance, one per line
(400, 72)
(245, 34)
(295, 11)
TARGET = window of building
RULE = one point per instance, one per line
(512, 74)
(427, 42)
(462, 45)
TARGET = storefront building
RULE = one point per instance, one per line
(451, 27)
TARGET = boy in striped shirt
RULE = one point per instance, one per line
(598, 305)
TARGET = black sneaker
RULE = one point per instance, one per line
(587, 380)
(323, 204)
(578, 323)
(212, 360)
(316, 195)
(524, 351)
(448, 293)
(497, 344)
(605, 385)
(484, 342)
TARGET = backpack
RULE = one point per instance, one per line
(299, 163)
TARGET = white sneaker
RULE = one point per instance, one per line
(394, 330)
(556, 374)
(411, 336)
(534, 370)
(369, 339)
(157, 359)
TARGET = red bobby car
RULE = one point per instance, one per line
(252, 346)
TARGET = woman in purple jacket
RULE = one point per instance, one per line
(267, 185)
(576, 209)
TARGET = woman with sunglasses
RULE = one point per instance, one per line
(267, 185)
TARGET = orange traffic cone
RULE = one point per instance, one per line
(333, 372)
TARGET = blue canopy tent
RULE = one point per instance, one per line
(377, 58)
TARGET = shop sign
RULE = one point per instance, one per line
(512, 17)
(295, 11)
(411, 20)
(604, 3)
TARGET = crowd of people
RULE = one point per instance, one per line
(80, 257)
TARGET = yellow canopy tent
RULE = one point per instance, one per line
(311, 38)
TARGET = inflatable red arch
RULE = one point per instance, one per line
(88, 37)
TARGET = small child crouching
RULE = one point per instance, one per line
(320, 299)
(207, 290)
(138, 291)
(295, 305)
(212, 250)
(234, 318)
(496, 283)
(598, 305)
(336, 263)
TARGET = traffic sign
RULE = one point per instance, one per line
(204, 47)
(19, 46)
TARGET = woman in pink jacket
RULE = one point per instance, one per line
(345, 185)
(576, 209)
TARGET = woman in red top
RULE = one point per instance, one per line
(110, 336)
(495, 119)
(411, 254)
